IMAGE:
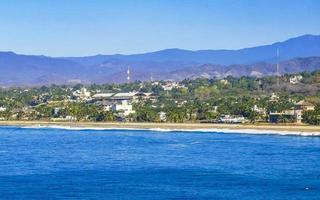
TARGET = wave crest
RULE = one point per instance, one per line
(210, 130)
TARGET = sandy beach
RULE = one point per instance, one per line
(254, 128)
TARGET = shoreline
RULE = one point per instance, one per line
(234, 128)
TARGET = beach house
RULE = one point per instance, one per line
(293, 115)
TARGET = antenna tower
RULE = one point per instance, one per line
(128, 74)
(278, 68)
(151, 77)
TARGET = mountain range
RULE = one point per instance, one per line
(295, 55)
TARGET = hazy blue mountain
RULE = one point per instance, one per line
(303, 46)
(22, 69)
(259, 69)
(166, 64)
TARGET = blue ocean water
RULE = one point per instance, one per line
(124, 164)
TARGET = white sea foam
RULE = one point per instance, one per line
(76, 128)
(210, 130)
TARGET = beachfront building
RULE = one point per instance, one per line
(293, 115)
(70, 118)
(56, 111)
(162, 116)
(67, 118)
(285, 116)
(229, 119)
(121, 102)
(301, 107)
(262, 113)
(124, 108)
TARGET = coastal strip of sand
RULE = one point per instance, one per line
(245, 128)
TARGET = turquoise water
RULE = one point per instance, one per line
(123, 164)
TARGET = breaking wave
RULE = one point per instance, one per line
(210, 130)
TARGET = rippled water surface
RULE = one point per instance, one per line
(123, 164)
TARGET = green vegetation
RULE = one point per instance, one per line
(199, 100)
(312, 117)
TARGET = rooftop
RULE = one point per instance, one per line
(303, 103)
(125, 94)
(103, 95)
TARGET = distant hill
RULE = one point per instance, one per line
(22, 69)
(254, 70)
(303, 46)
(298, 54)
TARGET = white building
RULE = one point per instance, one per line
(56, 111)
(296, 113)
(103, 95)
(3, 109)
(259, 110)
(300, 107)
(168, 86)
(107, 107)
(232, 119)
(215, 108)
(224, 82)
(274, 97)
(296, 79)
(70, 118)
(162, 116)
(82, 94)
(124, 107)
(119, 97)
(155, 83)
(129, 96)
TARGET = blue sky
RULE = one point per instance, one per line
(88, 27)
